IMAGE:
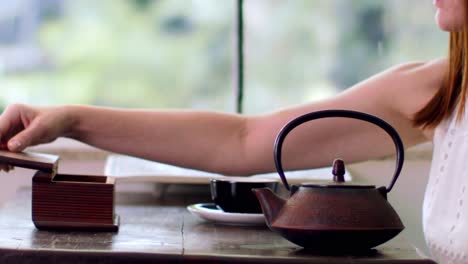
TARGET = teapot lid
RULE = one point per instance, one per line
(338, 179)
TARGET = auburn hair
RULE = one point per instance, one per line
(452, 94)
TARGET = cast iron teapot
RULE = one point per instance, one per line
(337, 216)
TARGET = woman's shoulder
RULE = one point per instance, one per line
(430, 72)
(417, 82)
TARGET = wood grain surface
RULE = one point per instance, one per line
(73, 202)
(162, 231)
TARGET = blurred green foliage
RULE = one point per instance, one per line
(179, 53)
(160, 54)
(300, 51)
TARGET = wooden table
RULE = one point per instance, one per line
(163, 231)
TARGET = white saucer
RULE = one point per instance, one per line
(209, 212)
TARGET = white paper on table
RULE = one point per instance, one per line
(131, 169)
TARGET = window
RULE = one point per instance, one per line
(298, 51)
(181, 54)
(135, 53)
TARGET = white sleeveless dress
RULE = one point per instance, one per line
(445, 209)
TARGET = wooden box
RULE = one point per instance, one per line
(63, 201)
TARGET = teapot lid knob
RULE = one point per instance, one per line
(338, 170)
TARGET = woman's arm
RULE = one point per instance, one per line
(394, 95)
(235, 144)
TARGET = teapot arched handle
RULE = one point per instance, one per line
(345, 114)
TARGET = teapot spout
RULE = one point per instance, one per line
(270, 202)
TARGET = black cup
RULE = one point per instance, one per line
(234, 194)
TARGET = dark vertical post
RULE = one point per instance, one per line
(239, 55)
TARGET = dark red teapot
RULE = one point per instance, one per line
(334, 216)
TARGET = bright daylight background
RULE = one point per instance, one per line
(179, 53)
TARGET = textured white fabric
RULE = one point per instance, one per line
(445, 209)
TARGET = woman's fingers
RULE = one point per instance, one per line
(25, 138)
(11, 122)
(4, 128)
(22, 126)
(17, 125)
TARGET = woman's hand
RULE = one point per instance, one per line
(22, 126)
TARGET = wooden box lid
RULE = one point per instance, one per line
(29, 160)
